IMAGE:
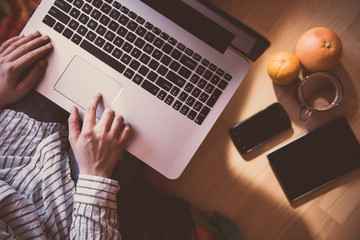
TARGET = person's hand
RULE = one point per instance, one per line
(22, 64)
(98, 145)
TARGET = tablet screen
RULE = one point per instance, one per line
(316, 158)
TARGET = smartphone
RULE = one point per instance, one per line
(315, 159)
(258, 129)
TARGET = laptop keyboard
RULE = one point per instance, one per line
(142, 52)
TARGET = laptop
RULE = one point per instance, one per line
(169, 67)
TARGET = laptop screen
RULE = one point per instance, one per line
(193, 21)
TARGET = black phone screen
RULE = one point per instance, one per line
(259, 128)
(316, 158)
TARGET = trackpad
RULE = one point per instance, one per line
(81, 80)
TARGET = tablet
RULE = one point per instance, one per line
(315, 159)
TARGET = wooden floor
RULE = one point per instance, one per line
(243, 187)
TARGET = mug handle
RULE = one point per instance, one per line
(305, 113)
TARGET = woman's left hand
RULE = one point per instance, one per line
(22, 64)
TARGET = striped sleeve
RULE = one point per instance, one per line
(95, 210)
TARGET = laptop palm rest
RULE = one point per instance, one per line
(81, 80)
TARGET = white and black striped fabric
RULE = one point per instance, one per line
(38, 199)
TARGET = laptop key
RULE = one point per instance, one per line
(59, 27)
(144, 58)
(87, 8)
(140, 20)
(185, 109)
(59, 15)
(176, 54)
(123, 20)
(153, 64)
(117, 53)
(68, 33)
(104, 20)
(134, 64)
(132, 15)
(83, 18)
(149, 37)
(129, 73)
(132, 25)
(202, 115)
(213, 98)
(177, 105)
(82, 30)
(115, 14)
(63, 5)
(110, 36)
(127, 47)
(175, 91)
(156, 30)
(169, 100)
(162, 95)
(192, 115)
(150, 87)
(184, 72)
(122, 31)
(176, 79)
(149, 26)
(164, 84)
(227, 77)
(92, 24)
(138, 79)
(152, 76)
(96, 14)
(167, 48)
(118, 41)
(139, 43)
(49, 21)
(108, 47)
(78, 3)
(102, 56)
(116, 5)
(73, 24)
(223, 84)
(97, 3)
(125, 10)
(143, 70)
(141, 31)
(126, 59)
(106, 8)
(201, 84)
(172, 41)
(175, 66)
(76, 39)
(197, 57)
(99, 42)
(188, 62)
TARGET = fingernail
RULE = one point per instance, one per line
(36, 33)
(72, 109)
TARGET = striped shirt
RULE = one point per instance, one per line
(38, 199)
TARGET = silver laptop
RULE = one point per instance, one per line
(168, 67)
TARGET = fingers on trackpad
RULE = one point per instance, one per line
(81, 80)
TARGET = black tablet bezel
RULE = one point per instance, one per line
(301, 167)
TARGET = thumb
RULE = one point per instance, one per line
(74, 126)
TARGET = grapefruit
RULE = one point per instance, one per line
(283, 68)
(319, 49)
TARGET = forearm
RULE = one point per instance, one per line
(95, 210)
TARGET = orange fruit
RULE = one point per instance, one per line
(283, 68)
(319, 49)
